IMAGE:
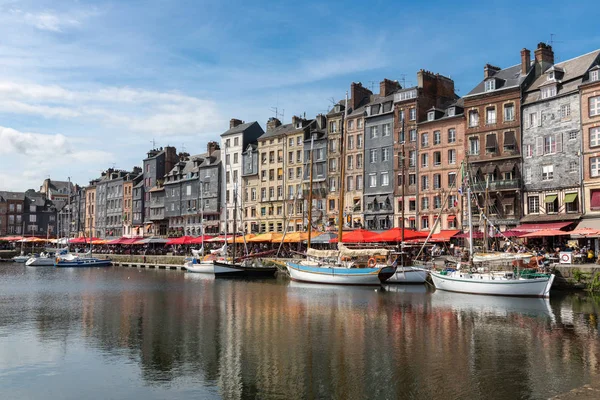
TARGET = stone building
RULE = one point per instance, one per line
(90, 209)
(3, 216)
(493, 117)
(40, 215)
(440, 157)
(411, 106)
(157, 163)
(552, 139)
(379, 158)
(294, 169)
(137, 209)
(57, 190)
(354, 138)
(315, 135)
(250, 188)
(233, 142)
(14, 203)
(335, 118)
(128, 204)
(590, 126)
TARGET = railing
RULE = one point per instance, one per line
(497, 185)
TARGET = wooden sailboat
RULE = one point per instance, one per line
(327, 265)
(480, 278)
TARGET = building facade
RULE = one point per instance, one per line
(590, 127)
(335, 119)
(15, 205)
(250, 188)
(155, 166)
(128, 206)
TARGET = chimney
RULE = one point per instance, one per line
(490, 70)
(525, 61)
(387, 87)
(272, 123)
(296, 120)
(211, 147)
(321, 121)
(544, 58)
(357, 94)
(234, 122)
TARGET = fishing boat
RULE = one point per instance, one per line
(481, 276)
(339, 266)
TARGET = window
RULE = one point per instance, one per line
(533, 204)
(412, 114)
(528, 151)
(425, 140)
(451, 135)
(385, 154)
(451, 112)
(359, 182)
(351, 124)
(424, 182)
(332, 184)
(372, 180)
(253, 194)
(188, 190)
(333, 126)
(424, 203)
(332, 145)
(386, 130)
(594, 167)
(549, 145)
(412, 135)
(565, 111)
(594, 106)
(490, 85)
(547, 172)
(548, 91)
(452, 156)
(437, 202)
(437, 158)
(350, 183)
(373, 132)
(299, 141)
(412, 159)
(290, 173)
(425, 222)
(594, 75)
(350, 162)
(227, 143)
(473, 118)
(551, 204)
(385, 179)
(359, 123)
(437, 181)
(430, 115)
(412, 179)
(373, 156)
(595, 137)
(359, 161)
(490, 116)
(359, 141)
(509, 112)
(474, 146)
(533, 120)
(351, 142)
(437, 137)
(412, 205)
(333, 164)
(573, 166)
(451, 179)
(291, 142)
(424, 160)
(32, 218)
(573, 135)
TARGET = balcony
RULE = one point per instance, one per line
(498, 185)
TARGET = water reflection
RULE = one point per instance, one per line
(164, 333)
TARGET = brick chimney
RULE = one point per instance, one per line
(272, 123)
(234, 122)
(544, 58)
(211, 147)
(490, 70)
(387, 87)
(357, 94)
(525, 61)
(296, 120)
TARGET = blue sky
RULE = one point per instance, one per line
(85, 85)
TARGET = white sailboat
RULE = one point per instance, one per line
(484, 280)
(199, 263)
(21, 258)
(43, 259)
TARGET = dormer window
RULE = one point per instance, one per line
(430, 115)
(451, 112)
(550, 76)
(490, 85)
(594, 75)
(548, 91)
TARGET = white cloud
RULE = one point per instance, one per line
(50, 20)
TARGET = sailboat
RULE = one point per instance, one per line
(43, 259)
(480, 278)
(21, 258)
(200, 263)
(336, 266)
(82, 261)
(248, 266)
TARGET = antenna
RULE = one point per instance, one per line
(153, 144)
(183, 147)
(278, 113)
(552, 41)
(372, 85)
(403, 79)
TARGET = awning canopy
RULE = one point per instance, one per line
(490, 141)
(509, 139)
(570, 197)
(451, 218)
(488, 169)
(539, 227)
(507, 167)
(508, 200)
(551, 198)
(595, 200)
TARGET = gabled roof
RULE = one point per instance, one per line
(238, 129)
(279, 131)
(510, 77)
(6, 195)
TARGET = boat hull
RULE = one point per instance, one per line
(40, 262)
(538, 287)
(20, 259)
(409, 275)
(202, 267)
(83, 263)
(339, 276)
(226, 270)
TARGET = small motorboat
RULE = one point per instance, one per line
(42, 260)
(83, 262)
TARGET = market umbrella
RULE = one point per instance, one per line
(151, 240)
(181, 240)
(296, 237)
(99, 241)
(476, 235)
(198, 240)
(546, 233)
(117, 241)
(267, 237)
(33, 239)
(81, 240)
(217, 239)
(323, 238)
(241, 239)
(357, 236)
(395, 235)
(585, 232)
(512, 233)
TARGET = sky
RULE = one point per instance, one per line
(90, 85)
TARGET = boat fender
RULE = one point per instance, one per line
(57, 259)
(371, 263)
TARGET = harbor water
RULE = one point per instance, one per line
(120, 333)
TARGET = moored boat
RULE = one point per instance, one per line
(42, 260)
(83, 262)
(339, 275)
(409, 275)
(246, 268)
(22, 258)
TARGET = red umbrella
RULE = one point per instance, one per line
(546, 233)
(199, 239)
(116, 241)
(357, 236)
(81, 240)
(395, 235)
(181, 240)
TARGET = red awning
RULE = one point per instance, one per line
(538, 227)
(595, 200)
(476, 235)
(451, 218)
(445, 235)
(395, 234)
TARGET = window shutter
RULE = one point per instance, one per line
(539, 120)
(559, 142)
(539, 146)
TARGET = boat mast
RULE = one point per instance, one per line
(310, 191)
(485, 221)
(201, 183)
(226, 209)
(342, 172)
(234, 218)
(403, 185)
(470, 220)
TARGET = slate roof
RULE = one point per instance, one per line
(507, 78)
(6, 195)
(239, 129)
(574, 72)
(279, 131)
